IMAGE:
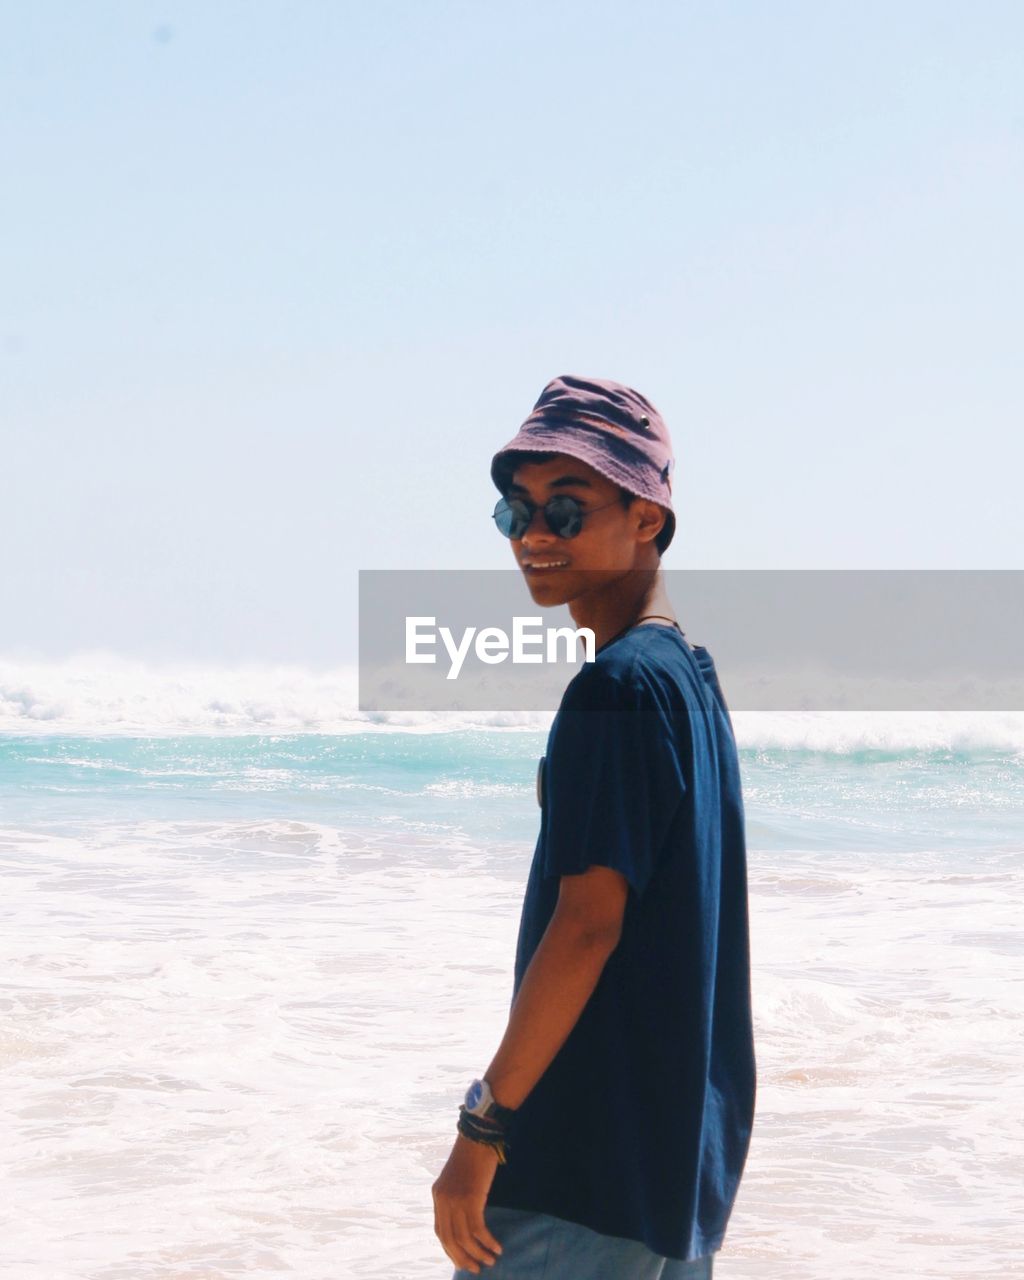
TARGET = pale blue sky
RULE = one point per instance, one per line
(278, 279)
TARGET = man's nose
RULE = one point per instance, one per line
(537, 532)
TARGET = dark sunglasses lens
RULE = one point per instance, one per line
(512, 518)
(563, 516)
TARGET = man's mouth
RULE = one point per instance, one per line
(544, 566)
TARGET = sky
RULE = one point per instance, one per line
(277, 280)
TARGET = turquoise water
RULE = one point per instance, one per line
(248, 977)
(475, 782)
(958, 805)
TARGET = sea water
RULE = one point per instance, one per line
(256, 943)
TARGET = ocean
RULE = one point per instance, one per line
(255, 945)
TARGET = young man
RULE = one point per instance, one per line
(609, 1133)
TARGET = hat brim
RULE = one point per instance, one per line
(505, 461)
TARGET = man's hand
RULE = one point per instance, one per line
(460, 1194)
(582, 933)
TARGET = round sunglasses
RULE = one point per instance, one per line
(563, 514)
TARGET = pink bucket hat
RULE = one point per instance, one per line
(612, 428)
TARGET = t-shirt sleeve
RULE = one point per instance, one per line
(614, 779)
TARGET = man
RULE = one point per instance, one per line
(609, 1133)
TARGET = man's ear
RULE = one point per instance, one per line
(652, 519)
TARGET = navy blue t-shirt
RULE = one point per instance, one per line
(641, 1124)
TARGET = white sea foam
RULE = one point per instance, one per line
(893, 731)
(238, 1046)
(104, 693)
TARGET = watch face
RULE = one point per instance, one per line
(473, 1094)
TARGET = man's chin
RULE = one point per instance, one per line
(549, 591)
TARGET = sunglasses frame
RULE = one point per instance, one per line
(579, 514)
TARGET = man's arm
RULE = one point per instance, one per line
(583, 931)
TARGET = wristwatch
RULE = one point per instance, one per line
(480, 1102)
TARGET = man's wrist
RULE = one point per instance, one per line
(485, 1132)
(481, 1102)
(483, 1120)
(476, 1147)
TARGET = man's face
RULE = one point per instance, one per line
(608, 545)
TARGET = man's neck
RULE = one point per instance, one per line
(610, 613)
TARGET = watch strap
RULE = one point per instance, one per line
(504, 1115)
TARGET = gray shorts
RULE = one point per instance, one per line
(537, 1246)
